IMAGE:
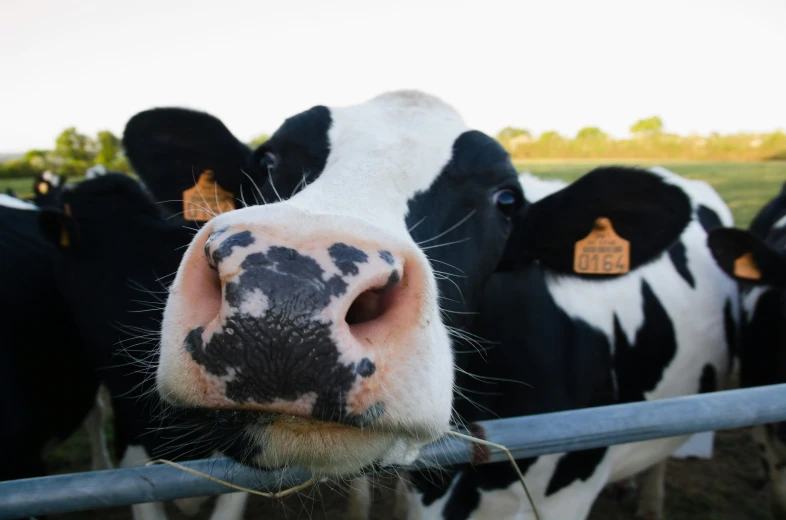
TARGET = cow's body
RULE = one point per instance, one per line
(47, 386)
(763, 332)
(561, 342)
(120, 226)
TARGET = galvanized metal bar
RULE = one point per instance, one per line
(524, 436)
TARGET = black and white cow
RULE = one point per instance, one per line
(47, 188)
(47, 387)
(560, 341)
(313, 325)
(757, 259)
(112, 221)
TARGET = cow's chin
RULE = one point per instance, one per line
(328, 449)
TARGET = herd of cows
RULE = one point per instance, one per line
(366, 280)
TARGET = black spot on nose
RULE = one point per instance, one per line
(393, 281)
(241, 239)
(366, 367)
(347, 257)
(387, 257)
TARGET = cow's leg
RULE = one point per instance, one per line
(190, 506)
(621, 491)
(94, 425)
(136, 455)
(773, 457)
(652, 492)
(401, 509)
(359, 501)
(230, 506)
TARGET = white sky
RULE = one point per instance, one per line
(547, 64)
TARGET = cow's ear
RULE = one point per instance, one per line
(608, 222)
(58, 228)
(171, 149)
(745, 257)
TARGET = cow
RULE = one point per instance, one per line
(757, 260)
(47, 387)
(112, 220)
(316, 328)
(47, 188)
(559, 340)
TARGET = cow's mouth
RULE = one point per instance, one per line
(270, 440)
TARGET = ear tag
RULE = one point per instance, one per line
(65, 238)
(207, 199)
(43, 188)
(603, 251)
(745, 267)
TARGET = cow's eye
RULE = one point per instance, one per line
(268, 160)
(506, 201)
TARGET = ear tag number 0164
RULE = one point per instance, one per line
(603, 251)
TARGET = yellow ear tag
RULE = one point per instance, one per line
(603, 251)
(65, 238)
(207, 199)
(43, 188)
(745, 267)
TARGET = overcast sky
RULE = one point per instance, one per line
(703, 66)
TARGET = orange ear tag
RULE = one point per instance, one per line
(43, 188)
(745, 267)
(603, 251)
(207, 199)
(65, 238)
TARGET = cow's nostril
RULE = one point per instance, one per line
(372, 304)
(366, 307)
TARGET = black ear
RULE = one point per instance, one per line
(638, 206)
(171, 148)
(745, 257)
(58, 228)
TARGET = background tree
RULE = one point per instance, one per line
(108, 148)
(75, 152)
(591, 133)
(647, 127)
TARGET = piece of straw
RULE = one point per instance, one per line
(512, 461)
(278, 494)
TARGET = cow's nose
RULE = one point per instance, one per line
(302, 326)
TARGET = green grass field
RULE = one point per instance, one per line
(22, 187)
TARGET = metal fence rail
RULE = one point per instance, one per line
(524, 436)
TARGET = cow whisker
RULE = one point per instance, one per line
(451, 228)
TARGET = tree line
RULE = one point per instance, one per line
(647, 140)
(75, 152)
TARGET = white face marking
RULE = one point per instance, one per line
(381, 154)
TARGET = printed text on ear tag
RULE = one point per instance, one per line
(603, 251)
(745, 267)
(207, 199)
